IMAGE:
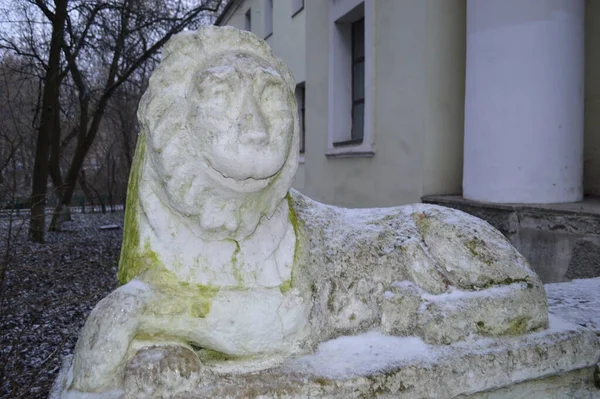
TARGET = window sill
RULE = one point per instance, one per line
(348, 143)
(297, 11)
(359, 151)
(268, 36)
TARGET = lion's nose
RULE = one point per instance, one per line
(253, 129)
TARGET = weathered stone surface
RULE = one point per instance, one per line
(555, 363)
(231, 281)
(421, 269)
(572, 385)
(560, 241)
(161, 370)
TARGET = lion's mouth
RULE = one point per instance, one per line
(247, 185)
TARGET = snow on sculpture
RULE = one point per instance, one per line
(225, 270)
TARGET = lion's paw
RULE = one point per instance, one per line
(160, 370)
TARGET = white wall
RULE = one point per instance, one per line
(524, 101)
(445, 62)
(418, 94)
(289, 37)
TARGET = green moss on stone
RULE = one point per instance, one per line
(293, 219)
(235, 266)
(323, 382)
(208, 355)
(423, 223)
(196, 298)
(331, 299)
(286, 286)
(506, 281)
(474, 246)
(129, 264)
(516, 326)
(201, 308)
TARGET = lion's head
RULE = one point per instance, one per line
(221, 128)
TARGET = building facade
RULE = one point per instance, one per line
(495, 100)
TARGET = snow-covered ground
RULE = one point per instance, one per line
(577, 301)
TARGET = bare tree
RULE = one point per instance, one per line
(19, 95)
(104, 44)
(50, 109)
(128, 33)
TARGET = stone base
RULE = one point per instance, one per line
(556, 363)
(576, 384)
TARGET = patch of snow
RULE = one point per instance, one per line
(362, 355)
(221, 69)
(456, 294)
(271, 71)
(558, 324)
(135, 285)
(577, 301)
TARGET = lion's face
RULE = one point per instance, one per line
(241, 111)
(235, 139)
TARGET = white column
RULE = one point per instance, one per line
(524, 101)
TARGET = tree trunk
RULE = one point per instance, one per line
(50, 102)
(69, 185)
(54, 167)
(112, 186)
(85, 139)
(54, 163)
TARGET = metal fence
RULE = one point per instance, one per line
(5, 213)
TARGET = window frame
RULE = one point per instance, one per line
(297, 6)
(342, 141)
(301, 87)
(269, 11)
(248, 20)
(355, 61)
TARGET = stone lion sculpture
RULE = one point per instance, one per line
(224, 269)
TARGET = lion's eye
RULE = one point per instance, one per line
(273, 97)
(213, 96)
(221, 93)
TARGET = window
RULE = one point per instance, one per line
(297, 6)
(268, 18)
(350, 104)
(300, 101)
(358, 81)
(249, 20)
